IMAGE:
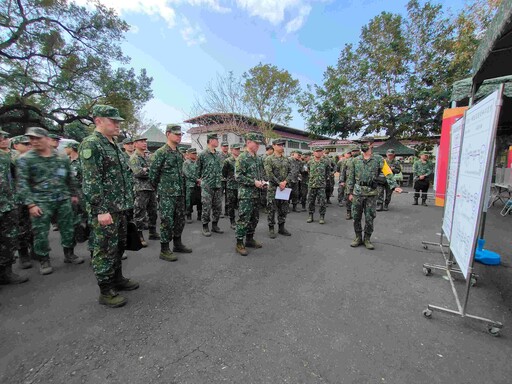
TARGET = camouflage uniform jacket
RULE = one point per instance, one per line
(44, 179)
(190, 172)
(105, 182)
(318, 173)
(295, 166)
(166, 172)
(228, 172)
(209, 169)
(343, 168)
(277, 169)
(419, 169)
(7, 190)
(362, 176)
(304, 172)
(139, 166)
(247, 169)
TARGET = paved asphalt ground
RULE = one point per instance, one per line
(304, 309)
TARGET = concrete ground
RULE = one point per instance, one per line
(303, 309)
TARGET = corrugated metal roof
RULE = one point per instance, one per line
(155, 135)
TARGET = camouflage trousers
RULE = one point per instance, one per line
(107, 243)
(329, 188)
(25, 236)
(348, 203)
(385, 194)
(63, 212)
(225, 194)
(145, 202)
(211, 200)
(248, 217)
(366, 205)
(303, 192)
(341, 194)
(172, 217)
(294, 196)
(273, 205)
(193, 197)
(232, 202)
(8, 236)
(313, 195)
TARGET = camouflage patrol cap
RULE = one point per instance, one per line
(22, 139)
(3, 133)
(128, 140)
(139, 138)
(278, 142)
(106, 111)
(236, 146)
(224, 144)
(72, 145)
(173, 128)
(253, 136)
(317, 149)
(293, 151)
(54, 136)
(36, 132)
(355, 149)
(425, 153)
(307, 153)
(391, 151)
(269, 147)
(211, 136)
(192, 151)
(182, 149)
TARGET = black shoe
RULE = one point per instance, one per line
(179, 247)
(215, 228)
(283, 231)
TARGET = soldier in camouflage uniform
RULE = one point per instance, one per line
(296, 165)
(318, 174)
(269, 150)
(128, 146)
(249, 174)
(193, 186)
(278, 171)
(228, 172)
(329, 187)
(224, 154)
(422, 170)
(47, 187)
(209, 170)
(343, 178)
(8, 217)
(304, 174)
(108, 198)
(362, 188)
(340, 166)
(385, 192)
(166, 175)
(145, 196)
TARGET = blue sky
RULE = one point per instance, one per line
(183, 44)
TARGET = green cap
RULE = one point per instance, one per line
(211, 136)
(106, 111)
(307, 153)
(192, 151)
(3, 133)
(173, 128)
(128, 140)
(317, 149)
(391, 151)
(355, 149)
(72, 145)
(424, 153)
(54, 136)
(236, 146)
(278, 141)
(253, 136)
(182, 149)
(224, 144)
(269, 146)
(36, 132)
(139, 138)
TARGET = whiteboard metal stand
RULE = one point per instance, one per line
(493, 327)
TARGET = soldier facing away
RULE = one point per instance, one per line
(228, 172)
(385, 191)
(318, 175)
(193, 185)
(296, 165)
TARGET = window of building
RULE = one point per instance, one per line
(225, 137)
(293, 144)
(304, 146)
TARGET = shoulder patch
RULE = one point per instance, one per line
(86, 153)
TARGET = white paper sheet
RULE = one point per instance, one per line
(284, 194)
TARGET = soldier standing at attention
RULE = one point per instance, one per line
(193, 185)
(128, 146)
(345, 171)
(249, 174)
(329, 187)
(54, 140)
(318, 175)
(145, 196)
(209, 170)
(8, 217)
(340, 167)
(47, 187)
(108, 198)
(295, 164)
(278, 171)
(304, 173)
(362, 188)
(224, 154)
(166, 175)
(384, 191)
(228, 172)
(422, 169)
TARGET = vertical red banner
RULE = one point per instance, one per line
(450, 116)
(509, 159)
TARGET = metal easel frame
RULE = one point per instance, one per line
(493, 327)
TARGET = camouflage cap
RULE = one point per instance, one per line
(307, 153)
(22, 139)
(293, 151)
(54, 136)
(211, 136)
(128, 140)
(391, 151)
(72, 145)
(36, 132)
(236, 146)
(3, 133)
(355, 149)
(253, 136)
(317, 149)
(192, 151)
(278, 142)
(106, 111)
(269, 147)
(424, 153)
(139, 138)
(182, 149)
(173, 128)
(224, 144)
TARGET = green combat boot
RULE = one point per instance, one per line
(215, 227)
(153, 234)
(109, 297)
(122, 283)
(348, 216)
(71, 258)
(271, 232)
(240, 247)
(310, 218)
(24, 258)
(322, 220)
(251, 243)
(7, 276)
(367, 243)
(45, 268)
(206, 230)
(166, 254)
(179, 246)
(357, 241)
(283, 231)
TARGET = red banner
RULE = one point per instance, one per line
(450, 116)
(509, 160)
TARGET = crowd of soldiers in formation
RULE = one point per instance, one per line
(93, 192)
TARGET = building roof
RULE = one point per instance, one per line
(331, 143)
(393, 143)
(155, 135)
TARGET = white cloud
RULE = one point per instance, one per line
(296, 23)
(192, 34)
(134, 29)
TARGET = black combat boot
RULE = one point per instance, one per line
(206, 230)
(424, 202)
(70, 257)
(329, 200)
(367, 243)
(179, 246)
(415, 201)
(122, 283)
(189, 219)
(7, 276)
(386, 207)
(110, 297)
(294, 208)
(348, 216)
(240, 247)
(283, 231)
(153, 234)
(166, 254)
(215, 227)
(251, 243)
(310, 218)
(232, 223)
(379, 207)
(303, 207)
(271, 232)
(357, 241)
(142, 241)
(24, 258)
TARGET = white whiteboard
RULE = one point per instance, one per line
(479, 131)
(453, 170)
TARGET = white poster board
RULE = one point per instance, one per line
(453, 171)
(476, 152)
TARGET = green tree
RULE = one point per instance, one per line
(56, 62)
